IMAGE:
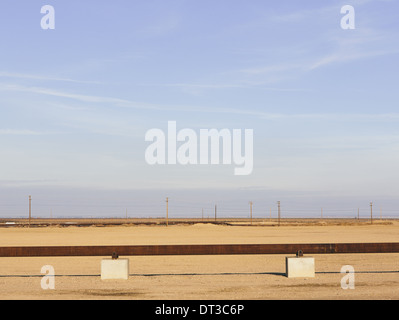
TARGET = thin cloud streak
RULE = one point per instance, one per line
(20, 132)
(43, 78)
(244, 111)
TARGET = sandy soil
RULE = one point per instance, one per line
(201, 277)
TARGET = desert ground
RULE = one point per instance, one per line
(202, 277)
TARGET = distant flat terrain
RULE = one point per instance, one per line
(65, 222)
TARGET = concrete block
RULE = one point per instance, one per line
(114, 269)
(299, 267)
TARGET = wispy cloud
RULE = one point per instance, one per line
(342, 57)
(339, 55)
(20, 132)
(205, 86)
(62, 94)
(272, 69)
(198, 88)
(123, 103)
(42, 78)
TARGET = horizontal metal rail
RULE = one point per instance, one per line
(217, 249)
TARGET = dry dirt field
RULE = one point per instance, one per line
(201, 277)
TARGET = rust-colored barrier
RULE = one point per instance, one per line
(216, 249)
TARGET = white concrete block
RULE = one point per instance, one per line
(299, 267)
(114, 269)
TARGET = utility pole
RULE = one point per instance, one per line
(371, 212)
(30, 209)
(215, 212)
(167, 211)
(279, 212)
(358, 216)
(250, 204)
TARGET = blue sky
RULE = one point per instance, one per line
(76, 102)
